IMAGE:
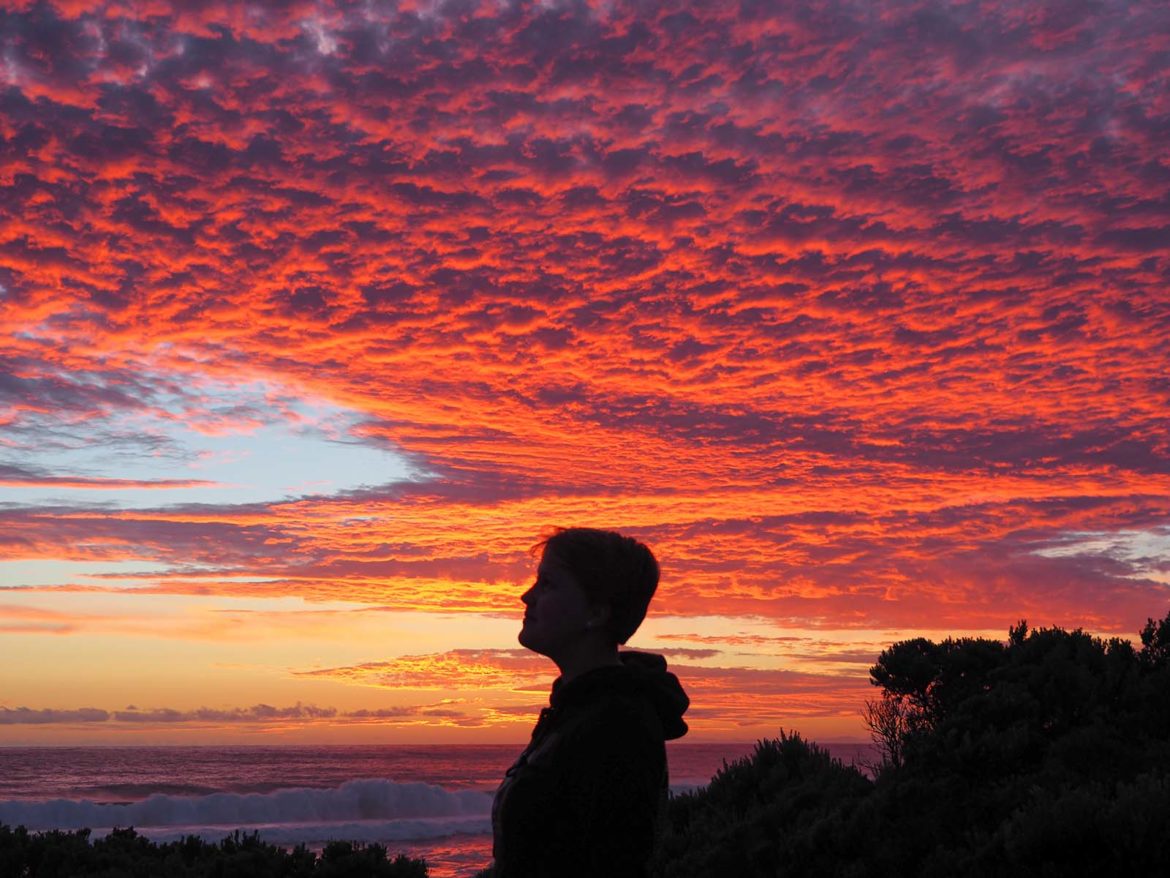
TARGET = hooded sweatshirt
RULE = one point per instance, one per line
(585, 796)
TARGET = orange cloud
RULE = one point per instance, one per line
(258, 714)
(470, 669)
(778, 697)
(857, 317)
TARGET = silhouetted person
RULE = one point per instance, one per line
(584, 797)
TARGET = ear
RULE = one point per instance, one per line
(599, 615)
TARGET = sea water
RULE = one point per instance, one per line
(426, 801)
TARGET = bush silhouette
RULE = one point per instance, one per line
(1045, 755)
(123, 853)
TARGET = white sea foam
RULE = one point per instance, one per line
(318, 834)
(358, 810)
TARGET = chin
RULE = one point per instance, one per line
(531, 641)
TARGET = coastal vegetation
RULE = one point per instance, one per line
(1047, 754)
(126, 854)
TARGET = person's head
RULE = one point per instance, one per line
(591, 584)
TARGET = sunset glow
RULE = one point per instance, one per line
(315, 319)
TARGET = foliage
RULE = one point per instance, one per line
(1046, 755)
(780, 803)
(122, 853)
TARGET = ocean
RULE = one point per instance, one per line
(426, 801)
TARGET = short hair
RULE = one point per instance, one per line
(613, 570)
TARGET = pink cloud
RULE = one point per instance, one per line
(854, 313)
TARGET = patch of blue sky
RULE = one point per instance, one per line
(39, 572)
(247, 443)
(1147, 552)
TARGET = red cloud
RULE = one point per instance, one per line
(847, 316)
(717, 693)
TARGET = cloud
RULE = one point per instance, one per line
(804, 649)
(685, 653)
(778, 696)
(28, 716)
(851, 311)
(20, 619)
(257, 714)
(472, 669)
(17, 477)
(485, 688)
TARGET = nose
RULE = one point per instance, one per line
(526, 598)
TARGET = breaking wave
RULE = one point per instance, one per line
(368, 810)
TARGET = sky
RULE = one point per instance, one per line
(315, 316)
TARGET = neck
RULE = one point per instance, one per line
(587, 656)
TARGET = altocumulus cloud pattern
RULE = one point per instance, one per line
(858, 312)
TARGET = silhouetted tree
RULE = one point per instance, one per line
(1045, 755)
(1156, 643)
(889, 725)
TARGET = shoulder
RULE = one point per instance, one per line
(615, 727)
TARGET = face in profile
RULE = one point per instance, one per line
(557, 611)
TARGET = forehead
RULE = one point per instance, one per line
(552, 567)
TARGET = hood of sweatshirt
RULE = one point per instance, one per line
(642, 674)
